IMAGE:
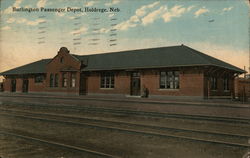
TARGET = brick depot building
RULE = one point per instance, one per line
(164, 71)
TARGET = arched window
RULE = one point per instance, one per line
(64, 80)
(56, 80)
(73, 79)
(62, 60)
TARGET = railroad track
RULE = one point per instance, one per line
(120, 111)
(56, 144)
(189, 134)
(205, 104)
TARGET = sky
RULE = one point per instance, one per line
(217, 28)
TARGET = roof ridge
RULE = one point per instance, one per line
(140, 49)
(196, 52)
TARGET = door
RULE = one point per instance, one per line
(25, 85)
(13, 85)
(135, 84)
(83, 84)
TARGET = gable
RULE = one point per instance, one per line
(63, 61)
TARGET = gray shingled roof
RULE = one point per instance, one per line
(31, 68)
(175, 56)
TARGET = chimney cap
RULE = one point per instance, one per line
(63, 49)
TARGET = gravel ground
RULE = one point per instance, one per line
(123, 144)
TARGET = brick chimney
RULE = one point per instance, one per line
(63, 50)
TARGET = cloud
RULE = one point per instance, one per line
(151, 17)
(61, 14)
(71, 17)
(11, 20)
(142, 10)
(6, 28)
(190, 8)
(9, 9)
(141, 16)
(76, 16)
(227, 9)
(28, 6)
(111, 15)
(81, 30)
(41, 3)
(102, 30)
(90, 3)
(34, 23)
(176, 11)
(17, 3)
(81, 14)
(113, 2)
(21, 20)
(125, 25)
(134, 20)
(200, 12)
(27, 22)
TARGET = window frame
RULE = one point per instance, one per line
(73, 79)
(214, 83)
(56, 80)
(64, 80)
(38, 78)
(226, 85)
(107, 80)
(169, 80)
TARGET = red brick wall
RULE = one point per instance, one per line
(36, 87)
(191, 83)
(242, 85)
(19, 85)
(55, 66)
(6, 85)
(220, 90)
(220, 87)
(33, 87)
(122, 84)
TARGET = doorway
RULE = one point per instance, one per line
(25, 85)
(83, 84)
(13, 85)
(135, 84)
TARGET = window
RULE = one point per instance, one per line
(213, 83)
(51, 83)
(107, 80)
(39, 78)
(169, 80)
(226, 83)
(61, 60)
(56, 80)
(73, 80)
(64, 80)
